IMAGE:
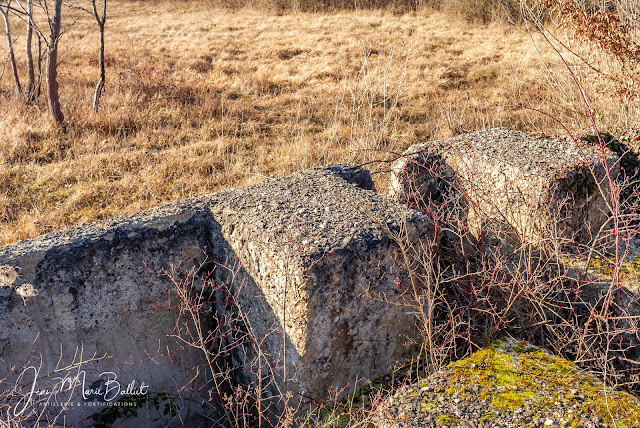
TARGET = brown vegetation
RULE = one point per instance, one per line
(197, 100)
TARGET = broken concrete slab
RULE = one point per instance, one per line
(536, 188)
(311, 259)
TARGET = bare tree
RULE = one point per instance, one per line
(4, 10)
(52, 64)
(31, 83)
(100, 19)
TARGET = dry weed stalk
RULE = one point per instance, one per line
(239, 101)
(372, 103)
(27, 403)
(243, 382)
(459, 305)
(535, 295)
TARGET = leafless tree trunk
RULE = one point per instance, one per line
(101, 21)
(40, 56)
(31, 83)
(52, 64)
(12, 58)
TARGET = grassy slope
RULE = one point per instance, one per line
(198, 100)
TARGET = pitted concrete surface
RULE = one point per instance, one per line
(535, 187)
(321, 252)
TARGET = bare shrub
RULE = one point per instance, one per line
(612, 33)
(25, 403)
(467, 299)
(243, 383)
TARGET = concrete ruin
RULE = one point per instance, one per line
(529, 188)
(311, 259)
(304, 281)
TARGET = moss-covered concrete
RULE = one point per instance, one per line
(513, 375)
(510, 383)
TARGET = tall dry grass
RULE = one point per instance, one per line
(200, 98)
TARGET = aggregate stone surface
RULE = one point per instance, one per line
(525, 152)
(467, 394)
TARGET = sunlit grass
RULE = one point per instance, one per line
(201, 99)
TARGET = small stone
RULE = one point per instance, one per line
(8, 275)
(25, 291)
(549, 422)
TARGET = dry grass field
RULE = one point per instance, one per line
(198, 99)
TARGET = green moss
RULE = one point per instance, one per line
(507, 401)
(601, 269)
(524, 347)
(487, 417)
(510, 374)
(447, 419)
(629, 269)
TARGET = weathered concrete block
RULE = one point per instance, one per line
(99, 320)
(312, 261)
(320, 252)
(537, 187)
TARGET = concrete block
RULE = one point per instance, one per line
(533, 188)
